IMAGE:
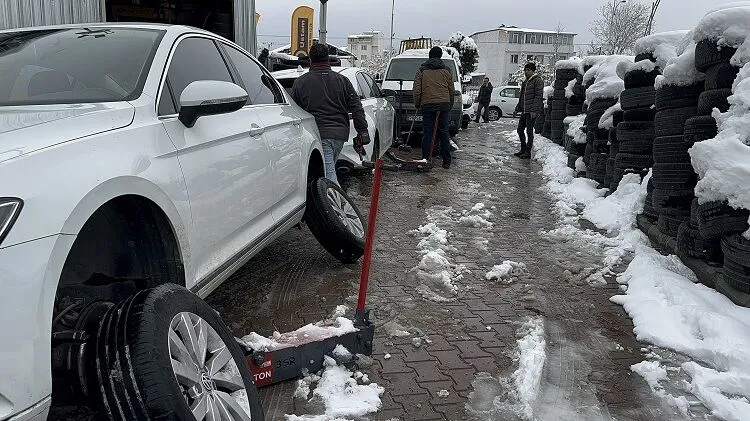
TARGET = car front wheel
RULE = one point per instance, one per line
(494, 114)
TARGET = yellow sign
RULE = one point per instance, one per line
(302, 30)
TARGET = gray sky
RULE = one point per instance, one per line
(440, 18)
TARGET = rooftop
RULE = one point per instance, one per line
(369, 34)
(522, 30)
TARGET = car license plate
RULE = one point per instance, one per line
(413, 118)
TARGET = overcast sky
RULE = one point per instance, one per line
(440, 18)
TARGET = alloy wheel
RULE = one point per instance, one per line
(346, 213)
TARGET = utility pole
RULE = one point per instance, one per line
(323, 21)
(393, 14)
(649, 27)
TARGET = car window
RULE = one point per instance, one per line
(406, 68)
(373, 86)
(364, 88)
(259, 85)
(166, 104)
(195, 59)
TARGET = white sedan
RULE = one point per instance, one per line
(379, 114)
(502, 103)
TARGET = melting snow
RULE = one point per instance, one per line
(507, 271)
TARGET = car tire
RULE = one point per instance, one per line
(699, 128)
(494, 113)
(715, 98)
(636, 98)
(639, 114)
(465, 124)
(561, 83)
(335, 221)
(559, 115)
(644, 56)
(670, 96)
(670, 149)
(721, 76)
(717, 218)
(674, 176)
(636, 137)
(736, 275)
(559, 95)
(566, 74)
(671, 122)
(669, 222)
(639, 78)
(690, 243)
(602, 104)
(573, 110)
(140, 344)
(572, 158)
(709, 54)
(665, 199)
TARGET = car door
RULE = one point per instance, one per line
(508, 100)
(385, 115)
(370, 104)
(225, 161)
(283, 131)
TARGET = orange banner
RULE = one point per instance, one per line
(302, 30)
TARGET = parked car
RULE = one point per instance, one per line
(379, 114)
(502, 103)
(140, 166)
(468, 103)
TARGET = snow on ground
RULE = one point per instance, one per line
(342, 394)
(476, 217)
(669, 309)
(337, 325)
(506, 272)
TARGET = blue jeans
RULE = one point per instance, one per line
(442, 140)
(331, 150)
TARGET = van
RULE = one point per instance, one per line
(398, 85)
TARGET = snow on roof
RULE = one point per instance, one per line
(728, 25)
(571, 63)
(524, 30)
(424, 53)
(680, 70)
(650, 43)
(608, 83)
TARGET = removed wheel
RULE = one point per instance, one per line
(335, 221)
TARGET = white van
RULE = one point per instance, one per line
(398, 84)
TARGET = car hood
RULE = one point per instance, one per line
(29, 128)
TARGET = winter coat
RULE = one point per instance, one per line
(330, 97)
(531, 99)
(485, 94)
(433, 84)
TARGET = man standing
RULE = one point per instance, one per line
(433, 94)
(530, 104)
(330, 98)
(483, 100)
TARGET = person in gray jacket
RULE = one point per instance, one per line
(530, 105)
(330, 97)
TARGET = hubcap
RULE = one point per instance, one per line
(493, 115)
(346, 213)
(205, 371)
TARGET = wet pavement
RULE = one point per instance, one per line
(434, 372)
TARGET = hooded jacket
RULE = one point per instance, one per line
(433, 84)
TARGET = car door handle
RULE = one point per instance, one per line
(297, 121)
(256, 130)
(502, 100)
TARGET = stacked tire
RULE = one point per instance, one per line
(575, 102)
(614, 149)
(547, 128)
(539, 123)
(559, 103)
(597, 140)
(635, 134)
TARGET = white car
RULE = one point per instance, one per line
(379, 114)
(140, 165)
(502, 103)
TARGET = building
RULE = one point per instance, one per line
(504, 49)
(366, 45)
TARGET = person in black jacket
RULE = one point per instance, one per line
(530, 105)
(330, 98)
(483, 100)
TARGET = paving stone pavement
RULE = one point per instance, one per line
(589, 341)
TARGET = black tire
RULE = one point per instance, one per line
(669, 96)
(464, 124)
(717, 218)
(572, 158)
(613, 136)
(736, 275)
(576, 100)
(721, 75)
(674, 176)
(617, 118)
(601, 146)
(559, 94)
(561, 84)
(609, 167)
(644, 56)
(690, 243)
(576, 148)
(138, 355)
(737, 248)
(633, 162)
(648, 208)
(573, 110)
(636, 137)
(557, 134)
(708, 54)
(671, 122)
(671, 149)
(699, 128)
(715, 98)
(579, 90)
(639, 114)
(327, 227)
(671, 199)
(640, 78)
(669, 222)
(559, 105)
(453, 132)
(559, 115)
(566, 74)
(602, 104)
(495, 115)
(635, 98)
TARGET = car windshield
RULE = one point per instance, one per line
(406, 68)
(75, 65)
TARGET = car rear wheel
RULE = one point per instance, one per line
(494, 114)
(335, 221)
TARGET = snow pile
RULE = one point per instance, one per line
(680, 70)
(531, 358)
(653, 373)
(650, 44)
(607, 83)
(607, 121)
(476, 217)
(549, 91)
(341, 392)
(571, 63)
(575, 126)
(337, 325)
(722, 162)
(569, 88)
(729, 26)
(507, 271)
(668, 308)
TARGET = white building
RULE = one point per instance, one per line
(503, 49)
(366, 45)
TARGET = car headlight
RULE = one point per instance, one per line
(10, 207)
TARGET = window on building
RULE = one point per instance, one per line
(528, 39)
(563, 57)
(514, 58)
(551, 39)
(364, 57)
(364, 48)
(540, 59)
(530, 58)
(533, 38)
(516, 38)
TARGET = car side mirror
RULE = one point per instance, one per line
(379, 81)
(209, 97)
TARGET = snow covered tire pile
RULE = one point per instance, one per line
(559, 103)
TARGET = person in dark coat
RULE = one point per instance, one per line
(483, 100)
(330, 97)
(433, 94)
(530, 105)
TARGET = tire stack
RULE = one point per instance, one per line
(635, 134)
(597, 140)
(614, 149)
(575, 103)
(547, 129)
(539, 123)
(560, 102)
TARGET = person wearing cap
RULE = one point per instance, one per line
(433, 94)
(330, 98)
(483, 99)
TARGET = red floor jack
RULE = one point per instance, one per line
(399, 164)
(291, 363)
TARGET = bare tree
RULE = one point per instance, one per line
(557, 42)
(619, 25)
